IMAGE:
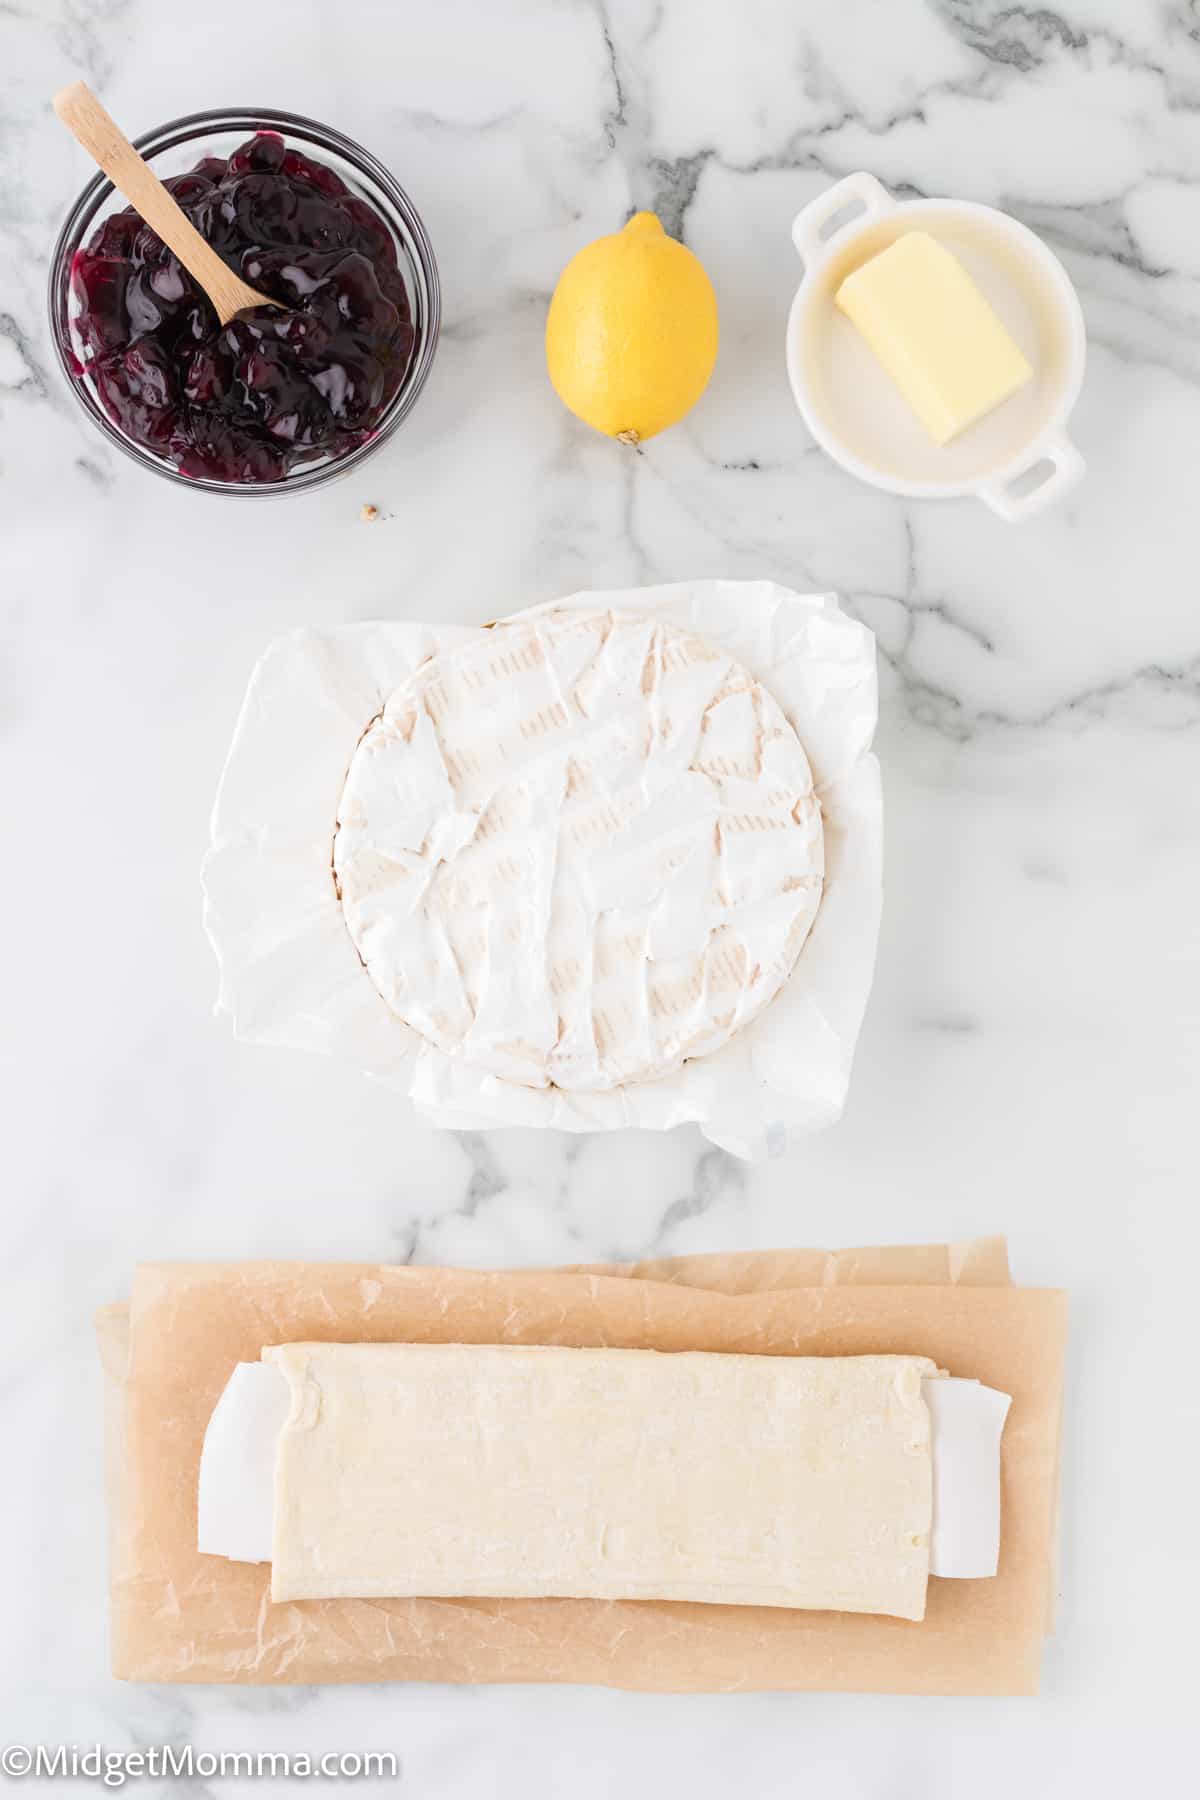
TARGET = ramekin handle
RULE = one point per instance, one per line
(1067, 469)
(808, 227)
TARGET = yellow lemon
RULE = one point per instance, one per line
(631, 337)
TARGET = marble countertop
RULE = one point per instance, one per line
(1030, 1058)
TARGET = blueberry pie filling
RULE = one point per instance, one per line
(278, 386)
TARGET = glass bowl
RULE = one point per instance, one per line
(174, 149)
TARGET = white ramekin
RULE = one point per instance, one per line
(1018, 459)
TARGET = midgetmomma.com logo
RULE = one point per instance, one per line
(42, 1762)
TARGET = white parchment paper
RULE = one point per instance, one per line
(236, 1490)
(290, 974)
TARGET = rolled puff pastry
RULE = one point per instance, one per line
(505, 1471)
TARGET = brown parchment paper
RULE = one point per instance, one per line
(180, 1616)
(977, 1262)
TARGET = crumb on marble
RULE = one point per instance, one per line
(369, 513)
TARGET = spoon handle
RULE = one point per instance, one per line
(106, 143)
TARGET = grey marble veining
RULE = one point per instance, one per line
(1031, 1056)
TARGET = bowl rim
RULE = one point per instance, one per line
(190, 127)
(810, 293)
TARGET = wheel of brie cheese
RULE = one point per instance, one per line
(579, 850)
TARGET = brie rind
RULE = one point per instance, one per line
(579, 850)
(290, 973)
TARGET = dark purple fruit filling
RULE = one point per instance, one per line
(272, 389)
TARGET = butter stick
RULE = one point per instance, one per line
(934, 333)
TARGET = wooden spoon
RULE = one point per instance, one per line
(106, 143)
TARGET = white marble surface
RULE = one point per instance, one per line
(1030, 1058)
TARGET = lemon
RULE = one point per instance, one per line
(631, 337)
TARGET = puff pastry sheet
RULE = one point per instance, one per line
(461, 1470)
